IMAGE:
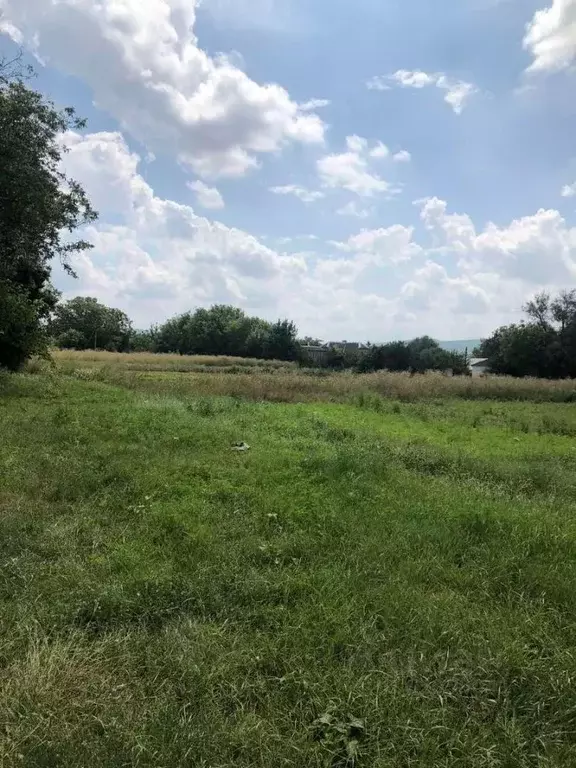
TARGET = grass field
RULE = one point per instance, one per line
(278, 381)
(377, 583)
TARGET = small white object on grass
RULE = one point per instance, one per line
(240, 447)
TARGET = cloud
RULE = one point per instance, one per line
(568, 190)
(380, 151)
(402, 156)
(153, 77)
(352, 209)
(551, 37)
(390, 245)
(162, 255)
(154, 257)
(351, 170)
(432, 289)
(537, 250)
(312, 104)
(456, 92)
(303, 194)
(207, 197)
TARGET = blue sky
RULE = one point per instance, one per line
(372, 170)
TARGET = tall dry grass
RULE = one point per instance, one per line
(148, 361)
(281, 382)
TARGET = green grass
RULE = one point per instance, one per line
(373, 584)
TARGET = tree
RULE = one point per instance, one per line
(545, 346)
(84, 323)
(282, 341)
(394, 356)
(144, 341)
(310, 341)
(220, 330)
(227, 330)
(539, 310)
(525, 349)
(563, 309)
(39, 207)
(257, 339)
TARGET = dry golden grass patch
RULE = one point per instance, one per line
(278, 381)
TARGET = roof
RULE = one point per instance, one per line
(348, 345)
(478, 361)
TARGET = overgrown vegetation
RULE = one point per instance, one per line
(418, 356)
(380, 583)
(278, 381)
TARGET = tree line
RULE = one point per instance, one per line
(85, 323)
(543, 345)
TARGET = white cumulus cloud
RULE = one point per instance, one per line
(351, 170)
(303, 194)
(154, 257)
(207, 197)
(353, 209)
(312, 104)
(551, 37)
(568, 190)
(537, 250)
(143, 62)
(402, 156)
(457, 93)
(385, 245)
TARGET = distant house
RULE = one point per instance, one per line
(319, 354)
(479, 366)
(346, 346)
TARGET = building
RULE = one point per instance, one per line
(479, 366)
(347, 346)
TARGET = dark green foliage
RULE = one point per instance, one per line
(21, 332)
(281, 343)
(394, 356)
(339, 359)
(38, 204)
(545, 346)
(144, 341)
(419, 355)
(84, 323)
(227, 330)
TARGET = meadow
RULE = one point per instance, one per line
(386, 578)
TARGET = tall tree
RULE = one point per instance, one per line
(84, 323)
(539, 309)
(227, 330)
(39, 209)
(545, 346)
(282, 341)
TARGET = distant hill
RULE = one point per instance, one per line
(460, 345)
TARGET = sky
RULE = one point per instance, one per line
(372, 170)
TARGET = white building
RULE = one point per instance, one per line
(479, 366)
